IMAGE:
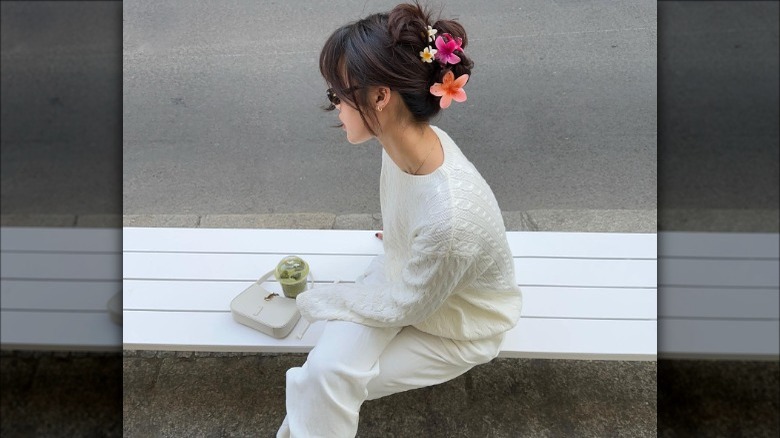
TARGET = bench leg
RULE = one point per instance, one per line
(352, 363)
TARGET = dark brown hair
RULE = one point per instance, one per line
(384, 49)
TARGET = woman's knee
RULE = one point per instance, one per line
(319, 370)
(484, 351)
(325, 372)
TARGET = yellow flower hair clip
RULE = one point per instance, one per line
(428, 54)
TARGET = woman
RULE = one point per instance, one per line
(440, 299)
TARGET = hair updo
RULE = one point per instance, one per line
(384, 49)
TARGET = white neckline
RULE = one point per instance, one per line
(445, 150)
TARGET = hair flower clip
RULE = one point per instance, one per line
(427, 54)
(431, 33)
(446, 49)
(450, 89)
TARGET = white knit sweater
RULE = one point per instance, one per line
(447, 268)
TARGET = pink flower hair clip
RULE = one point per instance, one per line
(446, 45)
(445, 49)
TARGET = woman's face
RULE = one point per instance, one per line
(353, 124)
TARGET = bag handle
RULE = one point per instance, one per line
(267, 276)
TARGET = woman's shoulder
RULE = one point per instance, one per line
(456, 163)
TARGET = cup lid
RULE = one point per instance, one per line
(292, 269)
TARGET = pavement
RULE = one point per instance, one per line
(225, 99)
(604, 221)
(628, 221)
(240, 394)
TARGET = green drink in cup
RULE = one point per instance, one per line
(291, 273)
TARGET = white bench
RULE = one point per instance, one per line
(586, 295)
(57, 287)
(719, 295)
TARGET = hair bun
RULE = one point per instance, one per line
(408, 24)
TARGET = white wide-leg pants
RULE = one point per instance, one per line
(352, 363)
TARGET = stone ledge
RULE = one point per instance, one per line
(720, 220)
(161, 220)
(563, 220)
(274, 221)
(38, 220)
(626, 221)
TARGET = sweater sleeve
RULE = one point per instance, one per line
(428, 278)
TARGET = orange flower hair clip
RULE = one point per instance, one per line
(450, 89)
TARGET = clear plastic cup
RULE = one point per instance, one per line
(292, 273)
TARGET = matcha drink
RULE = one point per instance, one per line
(291, 273)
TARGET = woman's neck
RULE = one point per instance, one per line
(413, 148)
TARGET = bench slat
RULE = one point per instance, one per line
(729, 245)
(345, 242)
(68, 240)
(208, 331)
(247, 267)
(582, 245)
(537, 301)
(729, 303)
(58, 295)
(718, 273)
(69, 331)
(581, 339)
(719, 339)
(61, 266)
(349, 242)
(548, 338)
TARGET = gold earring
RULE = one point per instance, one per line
(378, 108)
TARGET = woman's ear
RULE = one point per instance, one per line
(382, 98)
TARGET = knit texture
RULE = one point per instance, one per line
(446, 269)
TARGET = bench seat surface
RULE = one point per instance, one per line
(719, 295)
(56, 284)
(586, 295)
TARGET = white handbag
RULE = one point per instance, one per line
(266, 311)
